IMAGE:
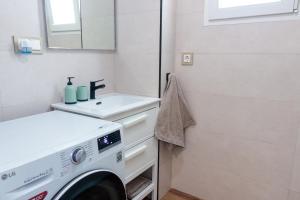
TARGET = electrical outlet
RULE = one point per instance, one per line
(187, 58)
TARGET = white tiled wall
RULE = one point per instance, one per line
(168, 39)
(137, 56)
(29, 84)
(244, 91)
(168, 61)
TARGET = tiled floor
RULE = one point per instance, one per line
(171, 196)
(174, 194)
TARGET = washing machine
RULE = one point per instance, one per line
(61, 156)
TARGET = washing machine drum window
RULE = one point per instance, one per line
(97, 185)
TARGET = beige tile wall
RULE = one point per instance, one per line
(29, 84)
(244, 91)
(294, 195)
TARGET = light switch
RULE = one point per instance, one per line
(187, 58)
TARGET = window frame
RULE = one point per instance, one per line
(214, 13)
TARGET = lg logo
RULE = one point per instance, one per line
(8, 175)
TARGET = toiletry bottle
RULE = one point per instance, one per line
(70, 93)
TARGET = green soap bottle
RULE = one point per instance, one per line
(70, 93)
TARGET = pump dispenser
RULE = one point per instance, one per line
(70, 92)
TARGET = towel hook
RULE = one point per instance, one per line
(167, 77)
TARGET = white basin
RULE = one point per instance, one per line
(107, 105)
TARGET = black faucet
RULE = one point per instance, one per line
(93, 88)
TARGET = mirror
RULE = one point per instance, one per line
(80, 24)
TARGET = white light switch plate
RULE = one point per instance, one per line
(35, 43)
(187, 58)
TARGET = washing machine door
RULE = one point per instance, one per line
(94, 185)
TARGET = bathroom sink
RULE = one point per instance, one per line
(104, 105)
(107, 105)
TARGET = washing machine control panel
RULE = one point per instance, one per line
(108, 141)
(78, 155)
(86, 153)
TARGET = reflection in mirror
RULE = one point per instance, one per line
(76, 24)
(63, 24)
(98, 24)
(65, 15)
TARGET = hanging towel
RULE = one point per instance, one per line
(174, 116)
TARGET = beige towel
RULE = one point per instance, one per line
(174, 116)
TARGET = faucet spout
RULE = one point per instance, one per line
(94, 87)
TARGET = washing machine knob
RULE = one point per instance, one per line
(78, 155)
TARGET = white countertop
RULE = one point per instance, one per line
(107, 105)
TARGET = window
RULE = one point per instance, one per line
(226, 9)
(236, 3)
(64, 15)
(63, 12)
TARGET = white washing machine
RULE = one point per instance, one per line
(61, 156)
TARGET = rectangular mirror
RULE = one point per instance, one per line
(80, 24)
